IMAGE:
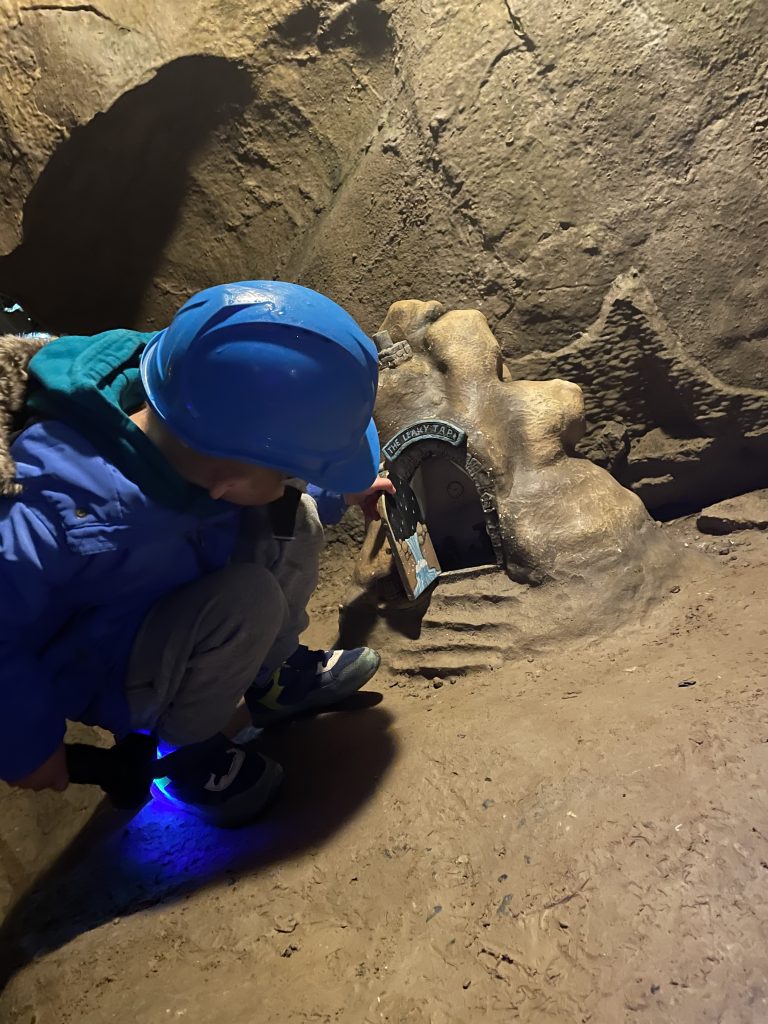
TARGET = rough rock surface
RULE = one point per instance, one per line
(747, 512)
(571, 837)
(516, 155)
(554, 520)
(557, 516)
(658, 419)
(35, 832)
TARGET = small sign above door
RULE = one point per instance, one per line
(423, 430)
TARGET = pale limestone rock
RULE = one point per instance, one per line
(515, 157)
(746, 512)
(551, 515)
(580, 552)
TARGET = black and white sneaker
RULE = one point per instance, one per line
(310, 681)
(220, 781)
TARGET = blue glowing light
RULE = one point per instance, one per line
(159, 788)
(167, 846)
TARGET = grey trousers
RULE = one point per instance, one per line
(201, 647)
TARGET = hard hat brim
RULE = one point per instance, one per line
(348, 476)
(357, 473)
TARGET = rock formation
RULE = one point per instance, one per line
(658, 419)
(493, 462)
(514, 156)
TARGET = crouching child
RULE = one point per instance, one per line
(156, 550)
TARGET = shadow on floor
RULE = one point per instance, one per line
(121, 864)
(360, 616)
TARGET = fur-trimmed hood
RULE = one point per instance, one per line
(92, 383)
(15, 354)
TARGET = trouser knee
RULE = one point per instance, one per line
(249, 597)
(200, 649)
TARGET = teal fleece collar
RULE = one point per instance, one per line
(93, 385)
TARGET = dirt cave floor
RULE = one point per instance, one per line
(579, 837)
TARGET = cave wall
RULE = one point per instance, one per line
(519, 156)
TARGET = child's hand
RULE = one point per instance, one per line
(52, 774)
(368, 500)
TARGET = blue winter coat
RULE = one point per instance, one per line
(96, 539)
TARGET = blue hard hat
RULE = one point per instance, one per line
(269, 373)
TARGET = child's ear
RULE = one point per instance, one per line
(219, 489)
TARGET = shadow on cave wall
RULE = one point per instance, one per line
(98, 219)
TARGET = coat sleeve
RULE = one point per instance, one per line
(34, 559)
(330, 506)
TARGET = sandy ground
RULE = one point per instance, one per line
(573, 838)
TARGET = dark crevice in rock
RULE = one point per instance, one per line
(301, 26)
(692, 438)
(517, 25)
(82, 8)
(505, 52)
(362, 24)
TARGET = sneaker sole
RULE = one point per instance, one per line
(237, 811)
(320, 702)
